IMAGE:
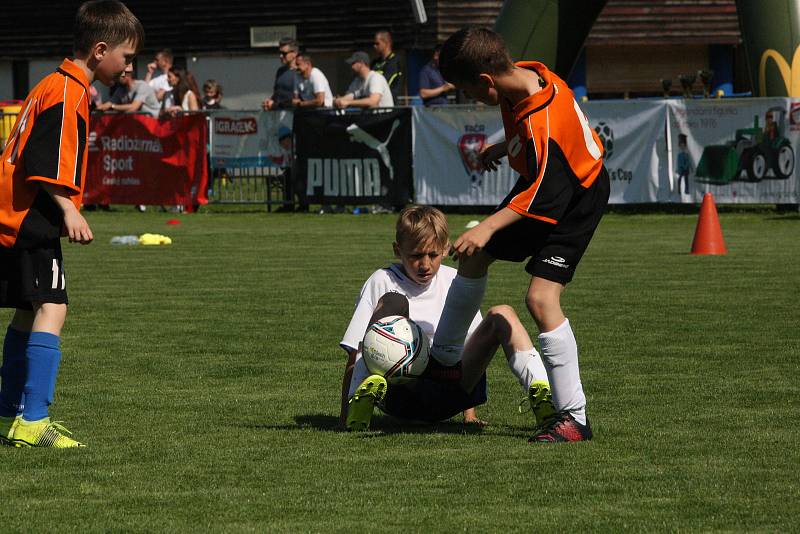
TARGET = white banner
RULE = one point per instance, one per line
(741, 151)
(447, 141)
(632, 133)
(251, 139)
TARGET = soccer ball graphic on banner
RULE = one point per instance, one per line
(606, 135)
(396, 348)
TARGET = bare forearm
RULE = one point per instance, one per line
(61, 196)
(501, 219)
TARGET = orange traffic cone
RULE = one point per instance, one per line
(708, 234)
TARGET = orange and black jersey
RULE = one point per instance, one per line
(551, 145)
(47, 145)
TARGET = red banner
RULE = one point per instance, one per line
(136, 159)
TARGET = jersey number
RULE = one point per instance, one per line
(588, 138)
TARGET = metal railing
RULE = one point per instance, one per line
(7, 121)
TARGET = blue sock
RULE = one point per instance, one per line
(43, 355)
(13, 373)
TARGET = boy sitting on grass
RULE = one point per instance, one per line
(416, 287)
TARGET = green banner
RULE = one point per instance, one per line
(771, 35)
(550, 31)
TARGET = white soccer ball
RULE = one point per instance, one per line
(396, 348)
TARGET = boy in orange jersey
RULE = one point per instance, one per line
(549, 216)
(41, 186)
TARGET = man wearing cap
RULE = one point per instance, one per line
(369, 89)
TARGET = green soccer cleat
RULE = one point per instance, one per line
(371, 391)
(43, 433)
(7, 427)
(540, 401)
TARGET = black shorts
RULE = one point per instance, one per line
(425, 399)
(554, 249)
(32, 275)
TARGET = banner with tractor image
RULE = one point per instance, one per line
(740, 150)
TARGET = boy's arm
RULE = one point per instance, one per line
(476, 238)
(76, 226)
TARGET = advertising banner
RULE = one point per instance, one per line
(632, 133)
(354, 157)
(137, 159)
(447, 172)
(741, 151)
(448, 140)
(251, 139)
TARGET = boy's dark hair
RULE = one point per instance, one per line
(106, 21)
(470, 52)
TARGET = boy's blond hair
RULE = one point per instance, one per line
(422, 225)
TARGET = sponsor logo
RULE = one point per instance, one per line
(351, 177)
(789, 74)
(470, 146)
(359, 135)
(794, 117)
(226, 126)
(556, 261)
(123, 143)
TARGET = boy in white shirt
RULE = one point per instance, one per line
(417, 288)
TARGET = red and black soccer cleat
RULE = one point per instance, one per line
(562, 427)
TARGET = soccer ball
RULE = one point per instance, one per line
(396, 348)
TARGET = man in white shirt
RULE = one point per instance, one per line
(313, 89)
(369, 89)
(162, 63)
(417, 288)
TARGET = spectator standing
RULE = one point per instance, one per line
(433, 88)
(285, 77)
(313, 90)
(212, 95)
(387, 64)
(161, 63)
(184, 90)
(131, 96)
(368, 89)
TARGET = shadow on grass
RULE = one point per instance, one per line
(387, 425)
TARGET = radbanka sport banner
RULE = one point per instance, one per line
(740, 150)
(138, 159)
(358, 157)
(251, 139)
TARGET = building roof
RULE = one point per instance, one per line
(39, 29)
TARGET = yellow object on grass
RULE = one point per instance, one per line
(154, 239)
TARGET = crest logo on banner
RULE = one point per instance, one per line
(470, 145)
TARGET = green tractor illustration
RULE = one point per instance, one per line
(753, 152)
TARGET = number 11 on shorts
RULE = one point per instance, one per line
(58, 276)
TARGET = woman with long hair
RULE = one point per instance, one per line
(184, 91)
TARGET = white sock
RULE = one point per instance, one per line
(463, 302)
(560, 355)
(360, 373)
(527, 366)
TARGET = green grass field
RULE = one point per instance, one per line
(205, 378)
